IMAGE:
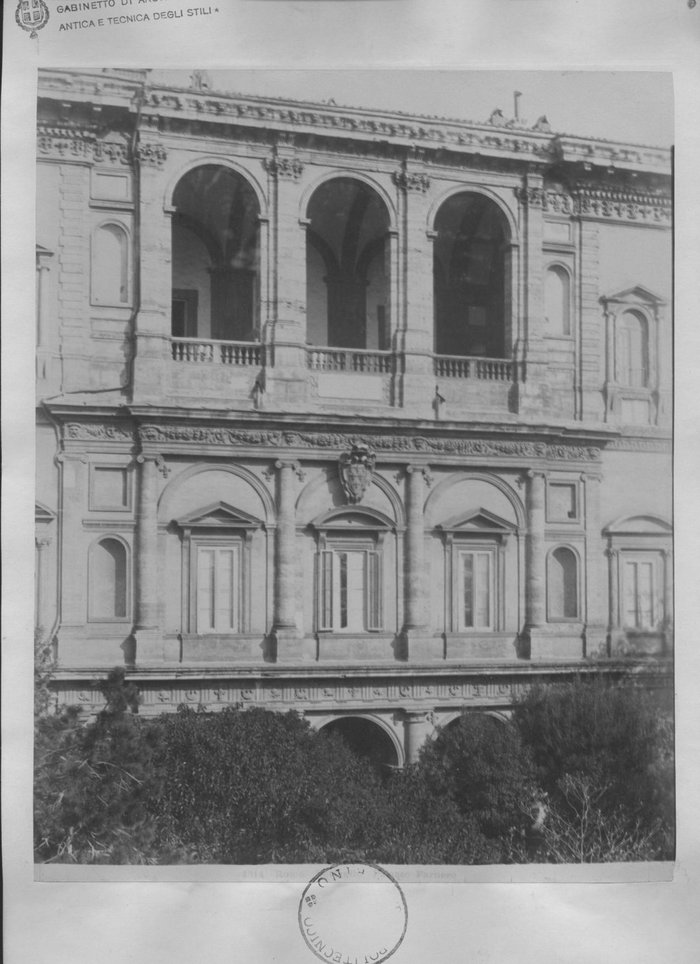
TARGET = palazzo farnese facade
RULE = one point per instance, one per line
(352, 412)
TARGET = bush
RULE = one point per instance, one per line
(576, 829)
(482, 766)
(259, 787)
(611, 734)
(92, 781)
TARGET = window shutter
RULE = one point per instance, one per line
(325, 590)
(374, 591)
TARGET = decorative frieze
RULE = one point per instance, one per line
(411, 181)
(85, 431)
(287, 168)
(152, 155)
(593, 201)
(660, 445)
(400, 444)
(66, 143)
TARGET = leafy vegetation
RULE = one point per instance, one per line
(252, 786)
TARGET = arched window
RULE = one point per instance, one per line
(557, 301)
(215, 256)
(347, 275)
(110, 266)
(469, 277)
(632, 350)
(108, 580)
(562, 585)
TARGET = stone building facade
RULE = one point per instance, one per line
(352, 412)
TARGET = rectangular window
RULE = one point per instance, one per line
(638, 594)
(218, 589)
(109, 487)
(476, 581)
(562, 502)
(349, 590)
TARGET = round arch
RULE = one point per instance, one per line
(172, 488)
(466, 188)
(345, 175)
(494, 480)
(385, 487)
(218, 161)
(382, 726)
(501, 716)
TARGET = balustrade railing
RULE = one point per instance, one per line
(485, 369)
(216, 352)
(344, 360)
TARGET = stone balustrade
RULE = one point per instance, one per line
(218, 352)
(342, 360)
(485, 369)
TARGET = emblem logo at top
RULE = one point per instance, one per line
(32, 15)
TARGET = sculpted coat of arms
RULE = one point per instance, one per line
(356, 468)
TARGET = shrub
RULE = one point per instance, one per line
(482, 766)
(576, 829)
(611, 735)
(92, 781)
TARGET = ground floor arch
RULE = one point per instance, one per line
(368, 738)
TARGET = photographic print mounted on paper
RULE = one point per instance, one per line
(353, 511)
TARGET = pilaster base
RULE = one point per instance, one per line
(149, 646)
(291, 647)
(419, 647)
(549, 643)
(596, 642)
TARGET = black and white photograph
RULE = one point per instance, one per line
(353, 509)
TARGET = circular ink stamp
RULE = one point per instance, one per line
(353, 914)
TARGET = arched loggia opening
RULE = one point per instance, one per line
(215, 256)
(347, 267)
(469, 276)
(366, 739)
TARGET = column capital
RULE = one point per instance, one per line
(536, 474)
(43, 541)
(293, 465)
(157, 459)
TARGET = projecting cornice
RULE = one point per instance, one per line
(510, 140)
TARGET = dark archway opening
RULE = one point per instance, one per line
(366, 739)
(215, 256)
(347, 270)
(469, 275)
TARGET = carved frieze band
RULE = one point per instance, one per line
(287, 168)
(411, 181)
(208, 435)
(600, 203)
(84, 145)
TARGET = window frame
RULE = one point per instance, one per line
(487, 532)
(330, 546)
(476, 548)
(96, 302)
(554, 617)
(93, 504)
(128, 616)
(217, 526)
(218, 545)
(560, 267)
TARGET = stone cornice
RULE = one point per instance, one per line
(593, 201)
(292, 117)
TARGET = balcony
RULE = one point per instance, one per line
(208, 351)
(484, 369)
(344, 360)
